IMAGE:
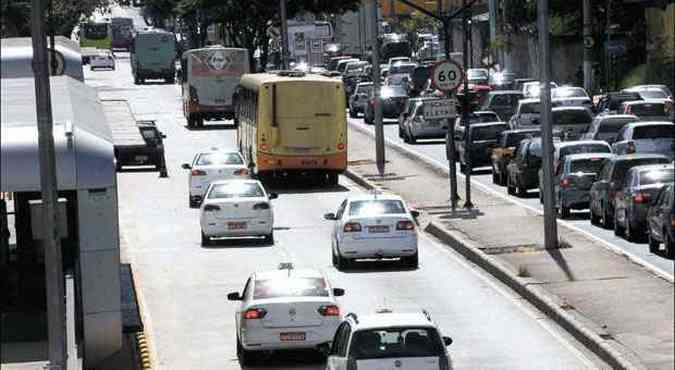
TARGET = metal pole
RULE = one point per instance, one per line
(377, 104)
(284, 35)
(465, 107)
(52, 65)
(588, 47)
(492, 9)
(56, 312)
(452, 154)
(550, 226)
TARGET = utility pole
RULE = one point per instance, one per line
(377, 103)
(588, 47)
(56, 311)
(492, 9)
(550, 225)
(284, 35)
(465, 104)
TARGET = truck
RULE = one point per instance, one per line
(153, 56)
(136, 143)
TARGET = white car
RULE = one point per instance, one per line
(389, 340)
(237, 208)
(103, 59)
(374, 226)
(285, 309)
(211, 166)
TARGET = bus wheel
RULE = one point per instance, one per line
(137, 81)
(200, 122)
(332, 178)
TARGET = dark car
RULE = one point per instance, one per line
(483, 138)
(393, 100)
(474, 117)
(610, 180)
(573, 178)
(646, 137)
(612, 103)
(507, 145)
(523, 169)
(631, 202)
(503, 102)
(661, 221)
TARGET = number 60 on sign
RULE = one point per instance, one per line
(447, 75)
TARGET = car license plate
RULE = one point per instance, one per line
(378, 229)
(141, 158)
(292, 337)
(236, 225)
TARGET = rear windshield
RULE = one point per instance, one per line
(613, 125)
(483, 118)
(376, 207)
(515, 139)
(648, 109)
(393, 91)
(402, 68)
(622, 167)
(291, 287)
(530, 108)
(236, 190)
(589, 165)
(506, 99)
(568, 93)
(396, 342)
(209, 159)
(652, 94)
(654, 132)
(487, 132)
(664, 176)
(368, 89)
(584, 148)
(572, 117)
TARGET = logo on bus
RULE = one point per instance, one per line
(218, 60)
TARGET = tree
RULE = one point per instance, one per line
(66, 14)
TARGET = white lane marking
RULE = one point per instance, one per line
(531, 311)
(605, 243)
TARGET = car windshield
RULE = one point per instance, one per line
(648, 109)
(613, 125)
(654, 132)
(368, 89)
(212, 159)
(530, 108)
(392, 91)
(236, 190)
(484, 118)
(572, 117)
(622, 167)
(652, 94)
(487, 132)
(363, 208)
(664, 176)
(477, 74)
(586, 165)
(395, 342)
(402, 68)
(584, 148)
(515, 138)
(567, 92)
(290, 287)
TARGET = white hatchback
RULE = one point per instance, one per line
(212, 166)
(374, 226)
(104, 59)
(389, 340)
(237, 208)
(285, 309)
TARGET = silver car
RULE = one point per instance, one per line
(573, 179)
(359, 99)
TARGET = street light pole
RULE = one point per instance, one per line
(56, 311)
(550, 225)
(450, 140)
(284, 34)
(588, 47)
(465, 107)
(377, 104)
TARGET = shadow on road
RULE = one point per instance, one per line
(376, 266)
(237, 243)
(288, 360)
(208, 127)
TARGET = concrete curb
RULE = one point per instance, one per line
(582, 329)
(546, 302)
(444, 171)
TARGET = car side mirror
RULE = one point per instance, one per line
(330, 216)
(273, 195)
(338, 292)
(234, 297)
(447, 341)
(185, 166)
(163, 135)
(415, 213)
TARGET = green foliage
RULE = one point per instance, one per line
(66, 14)
(418, 22)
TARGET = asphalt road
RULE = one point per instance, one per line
(182, 285)
(434, 150)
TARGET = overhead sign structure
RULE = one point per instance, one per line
(447, 75)
(439, 109)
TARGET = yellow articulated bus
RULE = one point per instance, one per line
(291, 122)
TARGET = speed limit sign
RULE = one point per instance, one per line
(447, 75)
